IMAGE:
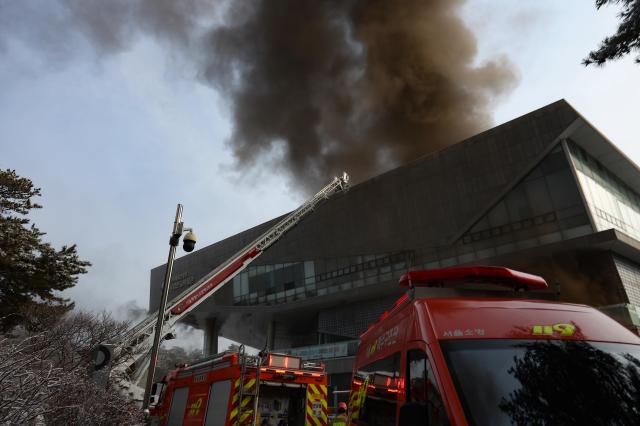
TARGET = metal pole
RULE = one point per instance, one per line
(173, 243)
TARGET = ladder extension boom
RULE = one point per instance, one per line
(135, 343)
(196, 294)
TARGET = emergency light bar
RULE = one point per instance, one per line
(384, 380)
(284, 361)
(473, 274)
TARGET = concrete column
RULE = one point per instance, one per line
(271, 335)
(211, 331)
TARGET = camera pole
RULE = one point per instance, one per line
(173, 243)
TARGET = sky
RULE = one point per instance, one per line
(116, 141)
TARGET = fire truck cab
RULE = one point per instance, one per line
(232, 388)
(436, 358)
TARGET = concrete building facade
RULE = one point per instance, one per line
(545, 193)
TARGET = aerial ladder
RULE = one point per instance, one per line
(125, 358)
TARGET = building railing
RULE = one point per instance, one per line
(324, 351)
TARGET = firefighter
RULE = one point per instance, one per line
(341, 418)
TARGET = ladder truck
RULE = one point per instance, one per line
(234, 388)
(125, 357)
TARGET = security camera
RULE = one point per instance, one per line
(189, 242)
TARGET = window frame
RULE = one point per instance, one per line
(429, 364)
(398, 360)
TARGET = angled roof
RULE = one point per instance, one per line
(607, 153)
(428, 202)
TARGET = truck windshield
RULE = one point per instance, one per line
(546, 382)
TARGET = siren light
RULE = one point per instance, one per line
(473, 274)
(284, 361)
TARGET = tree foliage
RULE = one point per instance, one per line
(32, 272)
(170, 358)
(625, 40)
(44, 376)
(582, 375)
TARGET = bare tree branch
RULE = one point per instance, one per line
(44, 375)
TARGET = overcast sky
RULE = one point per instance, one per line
(115, 142)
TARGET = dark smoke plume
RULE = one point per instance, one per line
(354, 85)
(326, 85)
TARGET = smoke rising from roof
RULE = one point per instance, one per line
(354, 85)
(326, 85)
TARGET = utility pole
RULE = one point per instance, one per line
(174, 240)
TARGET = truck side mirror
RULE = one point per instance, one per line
(413, 413)
(156, 393)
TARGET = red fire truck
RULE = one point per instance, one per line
(436, 359)
(233, 388)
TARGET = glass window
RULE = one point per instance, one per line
(244, 284)
(217, 405)
(531, 210)
(178, 405)
(562, 188)
(298, 273)
(345, 286)
(422, 388)
(630, 276)
(236, 286)
(538, 196)
(546, 382)
(554, 161)
(309, 269)
(379, 407)
(517, 204)
(613, 203)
